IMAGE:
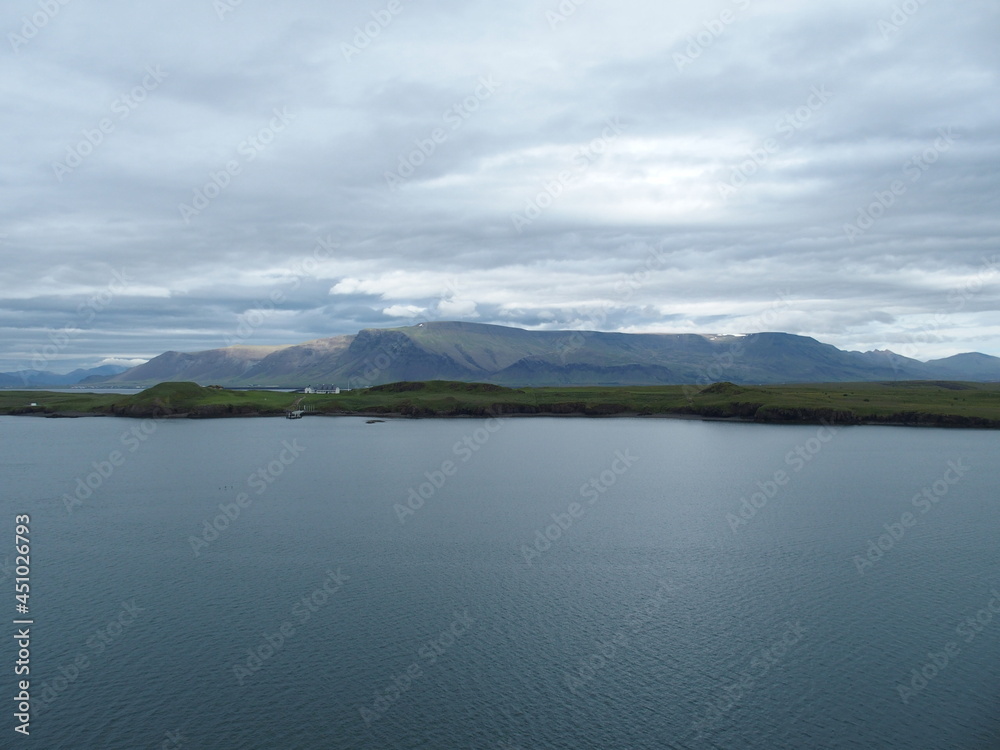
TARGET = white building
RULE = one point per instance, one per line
(328, 389)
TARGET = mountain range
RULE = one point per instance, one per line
(516, 357)
(34, 378)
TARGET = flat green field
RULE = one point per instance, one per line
(938, 403)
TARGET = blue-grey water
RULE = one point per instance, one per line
(44, 389)
(328, 613)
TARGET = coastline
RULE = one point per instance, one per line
(898, 403)
(395, 416)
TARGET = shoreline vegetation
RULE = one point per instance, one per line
(912, 403)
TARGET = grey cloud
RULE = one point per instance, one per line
(653, 191)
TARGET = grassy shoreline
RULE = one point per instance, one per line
(917, 403)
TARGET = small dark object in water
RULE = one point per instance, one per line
(374, 421)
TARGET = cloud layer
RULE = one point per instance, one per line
(187, 175)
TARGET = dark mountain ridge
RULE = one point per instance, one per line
(518, 357)
(33, 378)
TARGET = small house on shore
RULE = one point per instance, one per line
(326, 389)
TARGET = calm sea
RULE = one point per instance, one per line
(536, 584)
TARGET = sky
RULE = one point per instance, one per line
(203, 173)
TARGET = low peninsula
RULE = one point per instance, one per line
(919, 403)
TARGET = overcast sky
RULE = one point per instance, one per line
(190, 174)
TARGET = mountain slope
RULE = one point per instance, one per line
(312, 360)
(26, 378)
(517, 357)
(970, 366)
(224, 365)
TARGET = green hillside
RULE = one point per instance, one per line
(940, 403)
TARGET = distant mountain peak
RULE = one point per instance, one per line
(34, 378)
(458, 350)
